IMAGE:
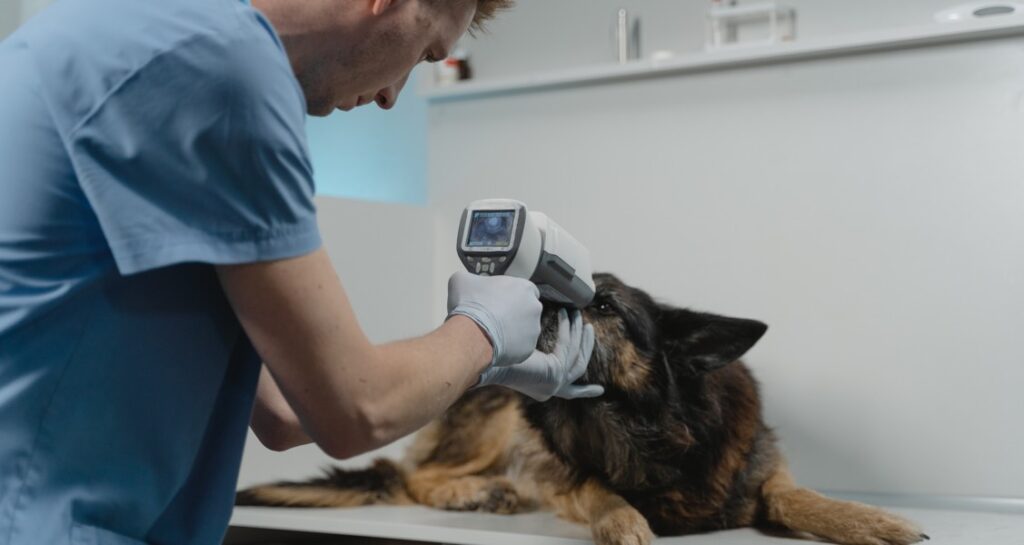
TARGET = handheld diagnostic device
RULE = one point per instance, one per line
(500, 236)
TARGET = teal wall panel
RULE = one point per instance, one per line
(373, 154)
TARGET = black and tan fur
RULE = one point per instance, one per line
(676, 444)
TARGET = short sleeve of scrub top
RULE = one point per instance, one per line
(142, 144)
(199, 155)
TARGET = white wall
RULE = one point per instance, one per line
(869, 208)
(15, 12)
(32, 7)
(382, 253)
(373, 154)
(10, 17)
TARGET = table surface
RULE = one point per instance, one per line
(434, 526)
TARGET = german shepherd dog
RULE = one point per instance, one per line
(676, 445)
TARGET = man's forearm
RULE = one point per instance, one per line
(427, 376)
(349, 395)
(273, 420)
(420, 378)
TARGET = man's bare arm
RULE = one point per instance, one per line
(349, 395)
(273, 421)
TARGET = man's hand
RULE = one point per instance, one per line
(544, 375)
(506, 308)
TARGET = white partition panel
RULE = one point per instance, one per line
(869, 208)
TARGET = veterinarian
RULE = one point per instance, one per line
(158, 240)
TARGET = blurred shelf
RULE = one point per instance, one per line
(736, 57)
(422, 525)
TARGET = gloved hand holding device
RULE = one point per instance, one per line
(506, 308)
(505, 244)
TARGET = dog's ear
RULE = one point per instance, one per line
(703, 342)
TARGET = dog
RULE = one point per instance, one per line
(676, 444)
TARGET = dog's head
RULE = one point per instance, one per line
(653, 361)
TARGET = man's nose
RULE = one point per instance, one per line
(388, 96)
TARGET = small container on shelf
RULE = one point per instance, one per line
(764, 23)
(453, 69)
(627, 36)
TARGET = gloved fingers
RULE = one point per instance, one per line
(508, 309)
(564, 335)
(576, 317)
(536, 310)
(586, 348)
(533, 377)
(535, 291)
(513, 283)
(576, 392)
(575, 337)
(493, 375)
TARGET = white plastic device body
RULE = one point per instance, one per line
(500, 236)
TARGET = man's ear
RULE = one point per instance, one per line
(704, 342)
(380, 6)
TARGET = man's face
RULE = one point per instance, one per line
(371, 59)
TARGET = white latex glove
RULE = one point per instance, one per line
(505, 307)
(544, 375)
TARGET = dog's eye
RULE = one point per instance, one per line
(605, 308)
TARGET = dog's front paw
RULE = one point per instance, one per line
(868, 525)
(622, 526)
(476, 494)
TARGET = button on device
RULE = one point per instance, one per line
(478, 268)
(485, 259)
(502, 259)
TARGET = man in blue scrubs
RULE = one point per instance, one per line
(158, 240)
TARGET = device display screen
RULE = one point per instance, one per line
(490, 228)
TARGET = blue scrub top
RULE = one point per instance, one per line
(141, 142)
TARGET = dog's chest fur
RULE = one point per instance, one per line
(686, 467)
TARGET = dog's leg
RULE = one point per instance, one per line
(848, 523)
(443, 490)
(613, 521)
(461, 487)
(458, 468)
